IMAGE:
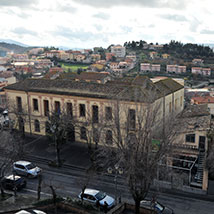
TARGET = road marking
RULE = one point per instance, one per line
(34, 191)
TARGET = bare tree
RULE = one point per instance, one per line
(57, 128)
(86, 180)
(129, 142)
(39, 188)
(10, 150)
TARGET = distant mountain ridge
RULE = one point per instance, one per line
(9, 47)
(10, 41)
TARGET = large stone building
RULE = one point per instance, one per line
(37, 98)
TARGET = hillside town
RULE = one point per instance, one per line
(137, 101)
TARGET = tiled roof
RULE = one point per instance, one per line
(194, 111)
(194, 118)
(92, 75)
(137, 89)
(167, 86)
(206, 99)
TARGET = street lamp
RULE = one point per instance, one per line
(117, 170)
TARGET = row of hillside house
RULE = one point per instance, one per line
(93, 103)
(154, 55)
(19, 56)
(201, 71)
(175, 69)
(118, 68)
(37, 63)
(4, 60)
(152, 46)
(118, 51)
(76, 56)
(197, 61)
(145, 67)
(43, 63)
(195, 92)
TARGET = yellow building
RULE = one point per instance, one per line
(36, 98)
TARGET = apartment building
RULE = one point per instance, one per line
(175, 69)
(145, 67)
(201, 71)
(197, 62)
(118, 51)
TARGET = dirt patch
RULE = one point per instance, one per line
(13, 203)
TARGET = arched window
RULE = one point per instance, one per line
(47, 127)
(95, 135)
(36, 126)
(83, 133)
(109, 139)
(21, 124)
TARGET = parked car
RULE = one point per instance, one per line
(158, 207)
(97, 197)
(30, 212)
(26, 168)
(12, 181)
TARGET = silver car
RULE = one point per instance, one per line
(26, 168)
(95, 196)
(30, 212)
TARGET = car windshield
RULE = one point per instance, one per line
(30, 166)
(100, 195)
(159, 206)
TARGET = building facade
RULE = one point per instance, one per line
(38, 98)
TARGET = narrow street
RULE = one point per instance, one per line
(69, 185)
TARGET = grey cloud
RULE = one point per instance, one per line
(81, 34)
(20, 14)
(151, 26)
(103, 16)
(144, 3)
(205, 31)
(23, 31)
(194, 24)
(66, 8)
(17, 3)
(177, 18)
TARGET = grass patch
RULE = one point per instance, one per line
(73, 67)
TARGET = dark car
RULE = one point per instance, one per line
(11, 181)
(158, 207)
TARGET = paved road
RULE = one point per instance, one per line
(69, 184)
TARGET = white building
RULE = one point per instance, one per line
(118, 51)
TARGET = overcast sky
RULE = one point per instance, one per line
(90, 23)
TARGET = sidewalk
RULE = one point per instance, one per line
(76, 154)
(73, 153)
